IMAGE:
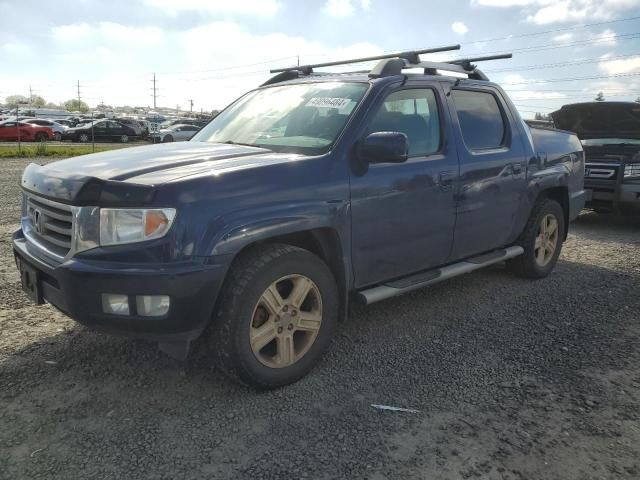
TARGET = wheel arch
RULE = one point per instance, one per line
(324, 242)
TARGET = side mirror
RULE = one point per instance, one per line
(385, 147)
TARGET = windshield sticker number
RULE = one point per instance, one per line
(328, 102)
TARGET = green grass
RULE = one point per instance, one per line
(44, 150)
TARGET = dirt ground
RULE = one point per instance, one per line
(512, 379)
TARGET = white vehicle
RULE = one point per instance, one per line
(57, 128)
(175, 133)
(50, 113)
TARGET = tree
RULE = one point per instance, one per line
(37, 101)
(14, 100)
(599, 97)
(52, 105)
(75, 105)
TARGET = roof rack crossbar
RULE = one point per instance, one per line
(411, 56)
(466, 62)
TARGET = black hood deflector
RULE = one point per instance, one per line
(600, 119)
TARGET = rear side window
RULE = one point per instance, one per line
(480, 118)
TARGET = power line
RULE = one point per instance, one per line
(542, 66)
(572, 79)
(556, 30)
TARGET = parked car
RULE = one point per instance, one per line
(175, 133)
(11, 131)
(65, 122)
(304, 194)
(57, 128)
(101, 131)
(184, 121)
(131, 123)
(610, 134)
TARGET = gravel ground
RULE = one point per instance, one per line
(513, 379)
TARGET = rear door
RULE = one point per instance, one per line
(492, 171)
(403, 215)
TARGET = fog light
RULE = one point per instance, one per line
(115, 304)
(152, 305)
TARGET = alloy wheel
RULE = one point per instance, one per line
(286, 321)
(546, 240)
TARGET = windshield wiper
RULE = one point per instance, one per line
(231, 142)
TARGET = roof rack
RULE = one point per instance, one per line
(394, 63)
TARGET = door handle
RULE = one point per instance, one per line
(445, 180)
(517, 167)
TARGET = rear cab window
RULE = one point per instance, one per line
(482, 121)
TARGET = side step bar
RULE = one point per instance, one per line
(419, 280)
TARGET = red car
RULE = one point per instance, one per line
(10, 131)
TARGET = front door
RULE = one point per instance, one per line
(100, 131)
(403, 215)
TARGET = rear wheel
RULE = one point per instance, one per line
(277, 316)
(57, 136)
(124, 138)
(542, 240)
(83, 137)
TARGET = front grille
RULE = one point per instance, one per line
(51, 224)
(632, 170)
(601, 171)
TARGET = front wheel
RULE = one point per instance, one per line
(542, 240)
(277, 316)
(124, 138)
(57, 136)
(167, 138)
(84, 138)
(41, 137)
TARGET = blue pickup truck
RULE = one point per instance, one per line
(305, 194)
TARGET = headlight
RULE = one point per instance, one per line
(632, 170)
(129, 225)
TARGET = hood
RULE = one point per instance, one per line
(145, 166)
(600, 119)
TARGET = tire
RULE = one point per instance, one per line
(124, 138)
(534, 263)
(167, 139)
(255, 274)
(57, 136)
(41, 137)
(83, 137)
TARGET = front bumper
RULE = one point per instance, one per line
(75, 287)
(621, 198)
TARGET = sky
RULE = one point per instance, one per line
(212, 51)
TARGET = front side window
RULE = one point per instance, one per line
(480, 118)
(303, 118)
(413, 112)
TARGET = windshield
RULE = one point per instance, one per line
(610, 141)
(303, 118)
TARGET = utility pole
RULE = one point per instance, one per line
(78, 86)
(30, 97)
(191, 103)
(154, 90)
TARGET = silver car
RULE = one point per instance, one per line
(175, 133)
(57, 128)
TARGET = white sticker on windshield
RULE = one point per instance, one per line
(328, 102)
